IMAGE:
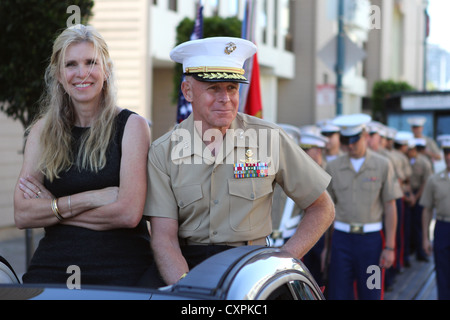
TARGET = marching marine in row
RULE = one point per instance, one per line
(431, 149)
(364, 188)
(436, 196)
(378, 137)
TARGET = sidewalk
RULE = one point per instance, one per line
(418, 282)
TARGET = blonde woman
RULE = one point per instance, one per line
(84, 172)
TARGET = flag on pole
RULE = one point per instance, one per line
(251, 102)
(184, 108)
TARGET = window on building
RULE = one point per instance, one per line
(286, 27)
(173, 5)
(364, 63)
(275, 24)
(264, 23)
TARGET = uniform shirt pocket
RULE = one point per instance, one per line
(250, 201)
(441, 194)
(189, 217)
(371, 188)
(341, 188)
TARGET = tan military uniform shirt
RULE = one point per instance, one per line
(211, 205)
(401, 166)
(396, 162)
(433, 147)
(421, 170)
(437, 195)
(359, 197)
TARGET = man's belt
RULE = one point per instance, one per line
(358, 228)
(256, 242)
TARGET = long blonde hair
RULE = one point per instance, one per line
(59, 114)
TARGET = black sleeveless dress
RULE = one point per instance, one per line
(115, 257)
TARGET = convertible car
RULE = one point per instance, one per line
(242, 273)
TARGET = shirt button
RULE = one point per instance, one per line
(214, 233)
(216, 201)
(252, 196)
(181, 203)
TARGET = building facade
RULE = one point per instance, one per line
(396, 50)
(298, 85)
(438, 68)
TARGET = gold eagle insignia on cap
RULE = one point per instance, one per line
(231, 46)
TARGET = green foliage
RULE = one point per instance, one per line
(212, 27)
(29, 28)
(382, 90)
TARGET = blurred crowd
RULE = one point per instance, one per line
(352, 148)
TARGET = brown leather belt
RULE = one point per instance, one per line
(256, 242)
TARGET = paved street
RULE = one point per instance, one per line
(414, 283)
(417, 282)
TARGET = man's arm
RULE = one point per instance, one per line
(432, 150)
(390, 222)
(316, 220)
(427, 215)
(166, 249)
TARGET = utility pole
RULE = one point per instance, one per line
(340, 57)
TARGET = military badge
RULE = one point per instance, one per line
(250, 168)
(231, 46)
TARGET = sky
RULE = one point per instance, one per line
(439, 11)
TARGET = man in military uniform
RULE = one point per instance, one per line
(364, 189)
(421, 170)
(436, 195)
(431, 149)
(206, 193)
(333, 146)
(403, 171)
(377, 142)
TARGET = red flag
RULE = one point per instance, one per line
(253, 106)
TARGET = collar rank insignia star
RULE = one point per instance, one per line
(250, 168)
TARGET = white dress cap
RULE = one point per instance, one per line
(403, 137)
(377, 127)
(328, 126)
(420, 142)
(311, 137)
(416, 142)
(214, 59)
(352, 124)
(293, 131)
(444, 140)
(391, 132)
(417, 121)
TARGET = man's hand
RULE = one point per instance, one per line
(166, 249)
